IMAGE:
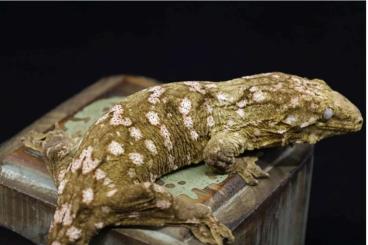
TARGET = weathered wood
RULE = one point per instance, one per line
(274, 212)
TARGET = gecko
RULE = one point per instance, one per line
(107, 179)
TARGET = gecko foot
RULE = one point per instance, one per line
(247, 168)
(200, 220)
(210, 231)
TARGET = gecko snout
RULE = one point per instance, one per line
(345, 115)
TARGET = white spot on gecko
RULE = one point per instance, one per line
(242, 103)
(230, 123)
(153, 118)
(194, 135)
(63, 215)
(222, 97)
(210, 85)
(241, 113)
(163, 204)
(153, 177)
(259, 96)
(195, 87)
(281, 131)
(309, 122)
(158, 188)
(153, 100)
(87, 195)
(188, 122)
(111, 193)
(89, 165)
(253, 89)
(157, 91)
(294, 102)
(85, 161)
(147, 185)
(115, 148)
(257, 75)
(133, 215)
(208, 107)
(185, 106)
(55, 243)
(126, 121)
(171, 160)
(296, 79)
(99, 225)
(278, 86)
(116, 116)
(136, 158)
(275, 76)
(151, 147)
(257, 132)
(99, 174)
(135, 133)
(210, 121)
(166, 135)
(107, 181)
(61, 175)
(61, 186)
(291, 119)
(73, 233)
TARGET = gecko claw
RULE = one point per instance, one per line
(247, 168)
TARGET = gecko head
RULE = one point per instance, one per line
(323, 113)
(54, 145)
(339, 114)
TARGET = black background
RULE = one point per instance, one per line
(49, 52)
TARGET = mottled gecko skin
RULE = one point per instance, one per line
(108, 179)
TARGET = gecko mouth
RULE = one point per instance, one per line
(343, 127)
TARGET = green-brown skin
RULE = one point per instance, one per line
(108, 179)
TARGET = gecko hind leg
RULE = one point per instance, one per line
(149, 204)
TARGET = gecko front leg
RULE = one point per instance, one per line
(222, 152)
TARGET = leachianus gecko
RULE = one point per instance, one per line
(108, 178)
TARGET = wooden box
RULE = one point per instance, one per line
(273, 212)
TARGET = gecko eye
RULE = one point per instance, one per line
(328, 113)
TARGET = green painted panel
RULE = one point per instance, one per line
(185, 180)
(179, 182)
(81, 121)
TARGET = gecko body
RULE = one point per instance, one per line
(108, 178)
